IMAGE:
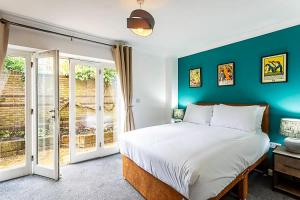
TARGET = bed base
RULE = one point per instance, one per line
(152, 188)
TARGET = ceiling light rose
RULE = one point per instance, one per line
(140, 21)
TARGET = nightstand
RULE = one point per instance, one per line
(286, 172)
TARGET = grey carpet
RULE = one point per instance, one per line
(101, 179)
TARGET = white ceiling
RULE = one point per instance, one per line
(182, 27)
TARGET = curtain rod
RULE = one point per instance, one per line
(52, 32)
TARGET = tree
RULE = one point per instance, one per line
(83, 73)
(15, 64)
(109, 76)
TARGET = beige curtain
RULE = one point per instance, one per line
(4, 32)
(123, 60)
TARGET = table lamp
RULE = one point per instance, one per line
(291, 128)
(178, 113)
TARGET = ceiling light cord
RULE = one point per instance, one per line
(140, 2)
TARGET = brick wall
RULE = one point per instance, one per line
(12, 102)
(12, 108)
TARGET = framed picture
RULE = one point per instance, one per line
(274, 68)
(226, 74)
(195, 78)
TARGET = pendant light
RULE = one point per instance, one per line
(140, 21)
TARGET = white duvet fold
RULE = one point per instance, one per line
(198, 161)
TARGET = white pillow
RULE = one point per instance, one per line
(236, 117)
(260, 114)
(259, 117)
(198, 114)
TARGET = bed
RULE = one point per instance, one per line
(170, 162)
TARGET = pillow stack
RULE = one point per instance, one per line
(245, 118)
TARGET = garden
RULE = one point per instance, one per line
(12, 109)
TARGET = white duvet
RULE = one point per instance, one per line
(196, 160)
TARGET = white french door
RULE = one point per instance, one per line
(87, 111)
(46, 114)
(29, 113)
(15, 115)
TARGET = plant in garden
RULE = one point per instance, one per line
(42, 132)
(87, 73)
(7, 134)
(109, 76)
(84, 73)
(15, 64)
(64, 67)
(81, 129)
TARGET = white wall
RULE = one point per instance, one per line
(155, 86)
(171, 86)
(151, 91)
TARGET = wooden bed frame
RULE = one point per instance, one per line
(152, 188)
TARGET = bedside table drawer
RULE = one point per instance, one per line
(287, 165)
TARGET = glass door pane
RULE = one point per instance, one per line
(93, 110)
(84, 110)
(45, 112)
(85, 104)
(110, 108)
(64, 153)
(47, 118)
(12, 113)
(15, 137)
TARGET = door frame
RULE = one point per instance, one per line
(100, 150)
(38, 169)
(23, 170)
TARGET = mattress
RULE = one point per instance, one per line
(198, 161)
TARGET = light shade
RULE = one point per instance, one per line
(141, 22)
(178, 113)
(290, 127)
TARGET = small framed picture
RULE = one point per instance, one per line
(195, 78)
(274, 68)
(226, 74)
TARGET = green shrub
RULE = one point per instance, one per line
(6, 135)
(83, 73)
(109, 76)
(15, 64)
(42, 132)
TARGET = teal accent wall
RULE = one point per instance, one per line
(284, 98)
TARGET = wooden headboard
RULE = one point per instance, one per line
(265, 125)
